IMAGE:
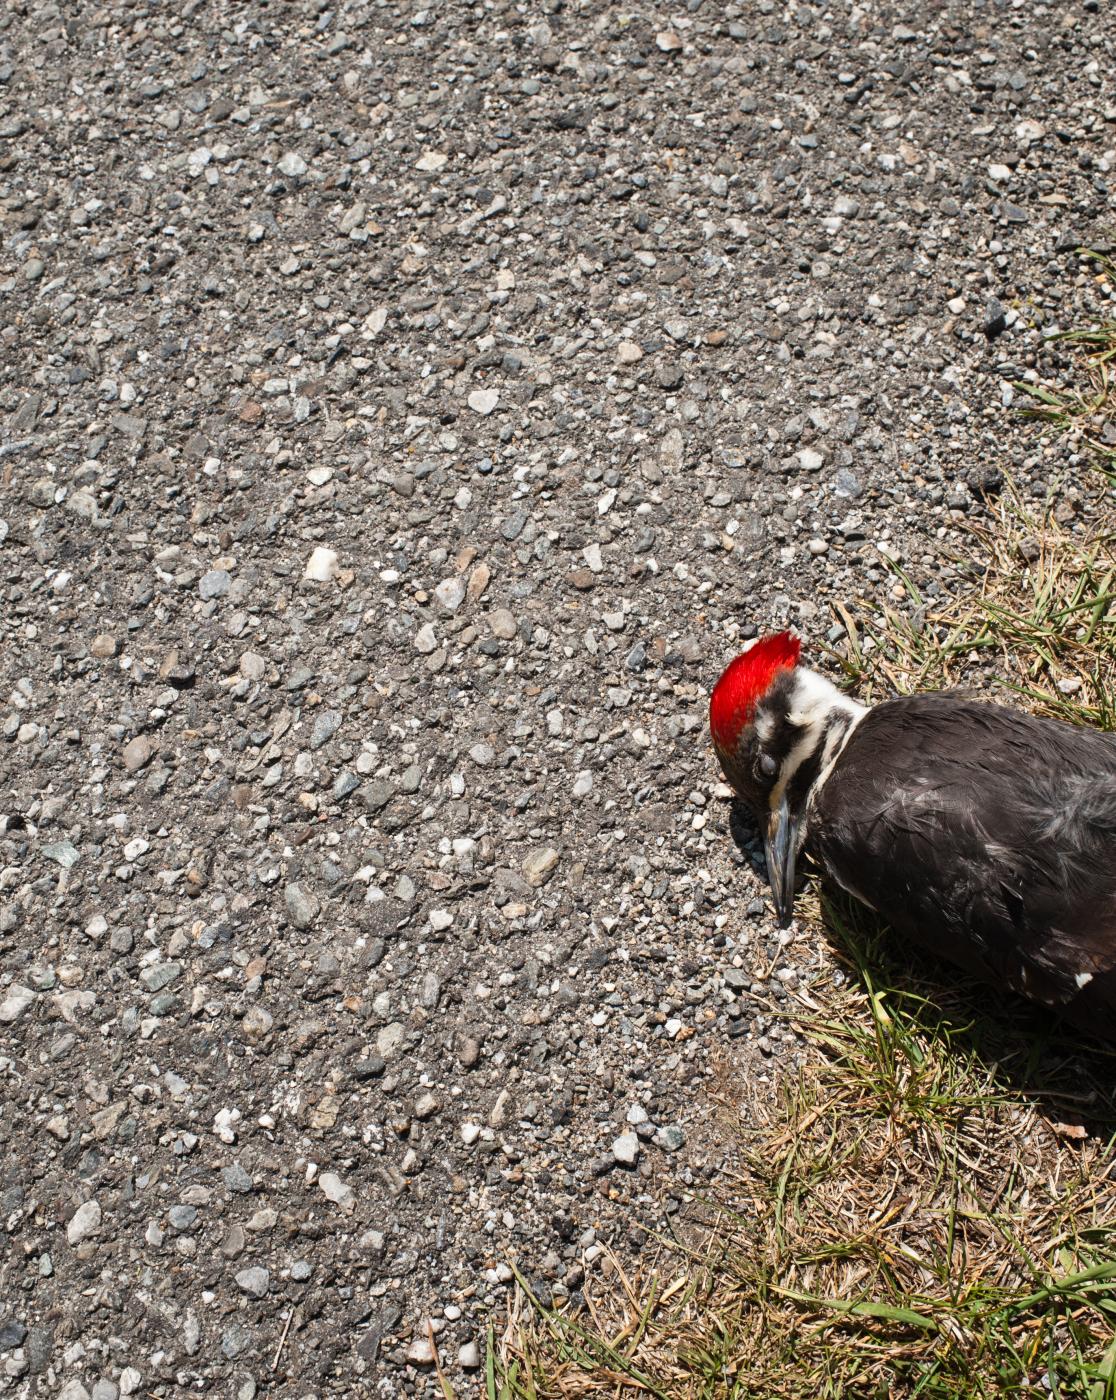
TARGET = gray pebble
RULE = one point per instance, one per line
(11, 1335)
(182, 1217)
(325, 727)
(303, 906)
(255, 1281)
(292, 165)
(215, 584)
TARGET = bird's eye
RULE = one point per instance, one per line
(768, 766)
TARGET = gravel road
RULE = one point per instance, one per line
(405, 413)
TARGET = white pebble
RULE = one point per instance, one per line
(85, 1221)
(626, 1149)
(321, 566)
(451, 593)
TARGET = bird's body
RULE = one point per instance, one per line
(984, 834)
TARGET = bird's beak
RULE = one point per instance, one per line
(780, 844)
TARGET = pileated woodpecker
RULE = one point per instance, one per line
(985, 834)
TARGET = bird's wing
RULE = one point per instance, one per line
(986, 835)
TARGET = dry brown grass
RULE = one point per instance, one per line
(912, 1217)
(1040, 616)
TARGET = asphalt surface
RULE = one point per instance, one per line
(405, 413)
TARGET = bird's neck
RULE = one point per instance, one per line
(819, 719)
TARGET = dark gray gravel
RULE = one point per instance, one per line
(405, 413)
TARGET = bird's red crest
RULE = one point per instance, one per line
(745, 682)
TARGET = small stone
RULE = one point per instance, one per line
(335, 1190)
(85, 1221)
(236, 1179)
(303, 906)
(214, 584)
(255, 1281)
(1029, 133)
(669, 375)
(73, 1390)
(426, 1105)
(377, 794)
(670, 1138)
(182, 1217)
(667, 41)
(160, 975)
(483, 401)
(257, 1022)
(469, 1357)
(431, 161)
(103, 646)
(540, 865)
(321, 567)
(672, 450)
(810, 460)
(236, 1340)
(629, 353)
(389, 1039)
(847, 484)
(450, 593)
(502, 624)
(425, 640)
(252, 666)
(292, 165)
(995, 319)
(11, 1335)
(478, 581)
(470, 1132)
(63, 853)
(625, 1149)
(818, 546)
(137, 753)
(421, 1352)
(344, 784)
(325, 727)
(224, 1123)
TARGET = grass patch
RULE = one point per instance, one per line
(1087, 409)
(1041, 614)
(912, 1217)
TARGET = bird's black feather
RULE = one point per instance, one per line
(986, 835)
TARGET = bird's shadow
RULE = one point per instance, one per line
(1069, 1075)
